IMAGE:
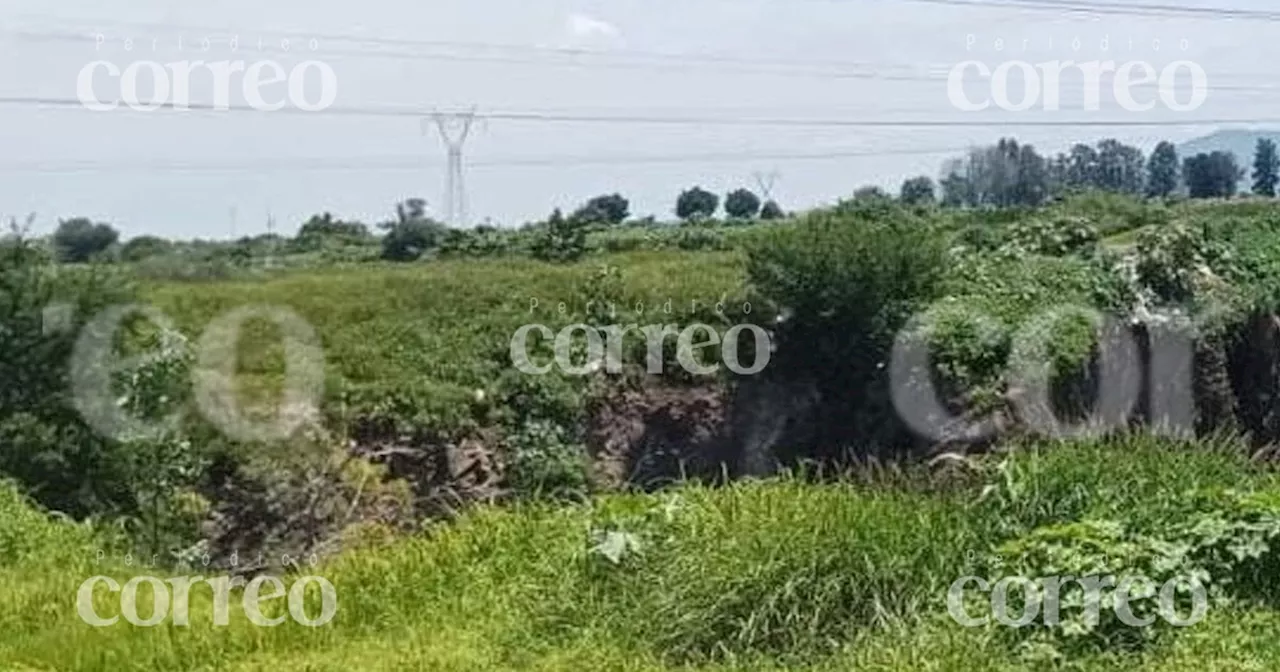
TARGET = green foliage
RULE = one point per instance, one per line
(478, 242)
(771, 211)
(144, 247)
(1163, 174)
(1058, 237)
(30, 537)
(1266, 168)
(741, 204)
(322, 231)
(162, 466)
(701, 239)
(917, 191)
(1002, 175)
(779, 575)
(611, 209)
(413, 234)
(409, 240)
(1111, 166)
(847, 286)
(870, 272)
(696, 204)
(413, 343)
(560, 240)
(1178, 262)
(1213, 175)
(870, 193)
(79, 240)
(543, 461)
(1226, 547)
(48, 448)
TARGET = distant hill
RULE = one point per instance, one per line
(1240, 142)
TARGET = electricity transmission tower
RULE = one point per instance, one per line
(454, 129)
(766, 181)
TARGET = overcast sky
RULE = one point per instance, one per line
(254, 163)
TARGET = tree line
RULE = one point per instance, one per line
(1005, 174)
(1009, 173)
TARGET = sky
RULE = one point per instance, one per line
(221, 174)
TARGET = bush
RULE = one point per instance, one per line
(144, 247)
(611, 209)
(408, 240)
(79, 240)
(544, 462)
(697, 204)
(48, 448)
(1057, 237)
(741, 204)
(560, 240)
(846, 285)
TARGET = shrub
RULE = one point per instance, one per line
(848, 285)
(560, 240)
(544, 462)
(48, 448)
(410, 239)
(697, 204)
(144, 247)
(741, 204)
(611, 209)
(1057, 237)
(79, 240)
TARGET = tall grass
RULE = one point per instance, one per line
(785, 574)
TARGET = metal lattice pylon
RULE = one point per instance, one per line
(454, 128)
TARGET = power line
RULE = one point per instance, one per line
(1143, 9)
(857, 123)
(677, 62)
(395, 163)
(519, 55)
(688, 120)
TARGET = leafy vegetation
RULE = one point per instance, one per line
(459, 506)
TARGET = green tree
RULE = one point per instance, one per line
(413, 234)
(1266, 168)
(1002, 175)
(608, 209)
(957, 188)
(771, 210)
(697, 204)
(78, 240)
(1163, 175)
(1082, 167)
(742, 204)
(1214, 175)
(918, 191)
(1120, 167)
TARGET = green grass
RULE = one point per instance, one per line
(775, 575)
(420, 339)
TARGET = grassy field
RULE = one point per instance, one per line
(427, 336)
(758, 576)
(792, 573)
